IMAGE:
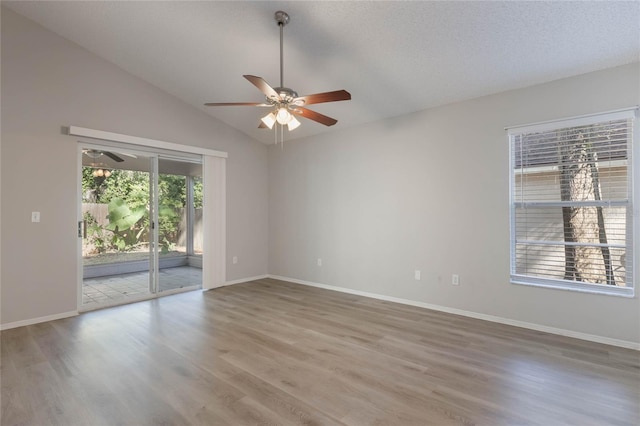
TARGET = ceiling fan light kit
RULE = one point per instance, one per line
(285, 102)
(101, 172)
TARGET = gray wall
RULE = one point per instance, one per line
(430, 191)
(47, 83)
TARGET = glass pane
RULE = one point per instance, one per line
(568, 243)
(172, 215)
(179, 267)
(115, 208)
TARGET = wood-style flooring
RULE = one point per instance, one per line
(271, 352)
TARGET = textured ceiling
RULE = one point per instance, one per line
(394, 57)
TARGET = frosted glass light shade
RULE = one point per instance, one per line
(283, 116)
(293, 123)
(269, 120)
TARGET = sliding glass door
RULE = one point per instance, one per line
(138, 226)
(179, 191)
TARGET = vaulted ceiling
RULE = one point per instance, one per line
(393, 57)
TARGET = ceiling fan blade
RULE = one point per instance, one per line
(113, 156)
(338, 95)
(315, 116)
(259, 104)
(263, 86)
(262, 126)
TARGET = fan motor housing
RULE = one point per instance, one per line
(286, 95)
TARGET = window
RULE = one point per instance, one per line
(571, 203)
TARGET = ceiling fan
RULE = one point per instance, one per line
(285, 102)
(100, 169)
(94, 154)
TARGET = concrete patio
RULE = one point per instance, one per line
(116, 289)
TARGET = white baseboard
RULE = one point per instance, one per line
(245, 280)
(470, 314)
(38, 320)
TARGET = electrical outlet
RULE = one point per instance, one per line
(417, 275)
(455, 279)
(35, 216)
(234, 259)
(319, 262)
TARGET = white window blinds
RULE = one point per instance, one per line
(571, 210)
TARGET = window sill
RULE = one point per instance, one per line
(599, 289)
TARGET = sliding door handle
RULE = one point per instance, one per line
(82, 229)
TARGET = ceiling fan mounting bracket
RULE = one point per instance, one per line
(282, 18)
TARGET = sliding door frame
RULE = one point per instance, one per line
(214, 203)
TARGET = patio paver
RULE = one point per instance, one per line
(115, 288)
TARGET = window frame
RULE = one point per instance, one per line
(632, 220)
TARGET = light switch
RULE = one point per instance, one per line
(35, 216)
